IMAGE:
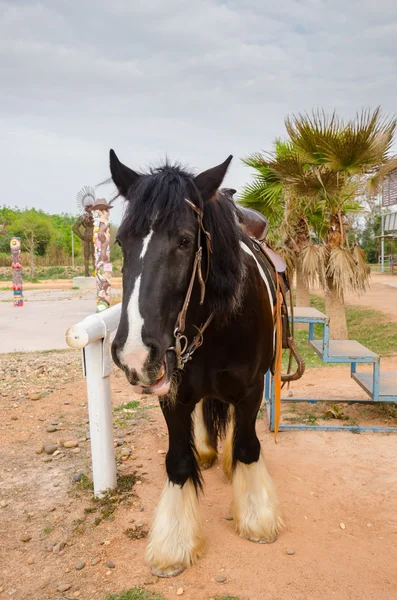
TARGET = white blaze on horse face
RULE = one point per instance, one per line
(135, 352)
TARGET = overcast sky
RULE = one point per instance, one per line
(195, 80)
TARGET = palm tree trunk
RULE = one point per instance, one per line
(302, 295)
(302, 290)
(335, 309)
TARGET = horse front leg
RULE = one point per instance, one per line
(175, 540)
(256, 509)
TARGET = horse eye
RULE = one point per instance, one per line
(184, 242)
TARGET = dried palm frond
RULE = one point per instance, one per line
(363, 269)
(345, 271)
(312, 265)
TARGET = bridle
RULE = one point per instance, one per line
(183, 350)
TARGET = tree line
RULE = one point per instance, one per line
(42, 234)
(48, 230)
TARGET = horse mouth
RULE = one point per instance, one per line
(161, 384)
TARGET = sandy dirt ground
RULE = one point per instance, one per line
(381, 295)
(338, 492)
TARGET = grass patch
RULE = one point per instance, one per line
(107, 504)
(85, 483)
(225, 598)
(306, 418)
(388, 410)
(136, 593)
(129, 406)
(319, 412)
(131, 411)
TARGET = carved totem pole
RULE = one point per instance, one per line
(15, 245)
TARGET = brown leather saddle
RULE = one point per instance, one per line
(257, 227)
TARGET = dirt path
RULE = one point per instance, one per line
(323, 480)
(53, 284)
(382, 295)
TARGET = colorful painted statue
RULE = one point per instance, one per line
(15, 245)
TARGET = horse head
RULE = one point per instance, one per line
(161, 235)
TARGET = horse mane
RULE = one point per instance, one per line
(227, 270)
(159, 196)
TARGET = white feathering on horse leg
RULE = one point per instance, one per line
(256, 509)
(175, 540)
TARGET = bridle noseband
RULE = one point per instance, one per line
(183, 350)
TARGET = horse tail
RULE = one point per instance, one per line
(216, 416)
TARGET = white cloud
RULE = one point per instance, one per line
(193, 80)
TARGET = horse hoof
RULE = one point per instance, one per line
(170, 572)
(259, 540)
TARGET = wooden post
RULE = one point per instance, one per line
(15, 245)
(103, 266)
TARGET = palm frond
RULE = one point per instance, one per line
(311, 134)
(362, 143)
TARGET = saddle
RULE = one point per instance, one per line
(257, 227)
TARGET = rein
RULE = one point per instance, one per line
(183, 350)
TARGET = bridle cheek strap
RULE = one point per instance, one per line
(182, 349)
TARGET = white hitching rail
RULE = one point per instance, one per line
(92, 336)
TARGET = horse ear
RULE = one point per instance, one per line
(123, 177)
(209, 181)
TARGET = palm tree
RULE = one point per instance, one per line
(322, 178)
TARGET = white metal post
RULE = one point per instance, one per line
(101, 421)
(92, 336)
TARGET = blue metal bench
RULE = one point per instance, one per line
(379, 387)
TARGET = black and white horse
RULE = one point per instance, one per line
(197, 330)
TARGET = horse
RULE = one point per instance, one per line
(197, 330)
